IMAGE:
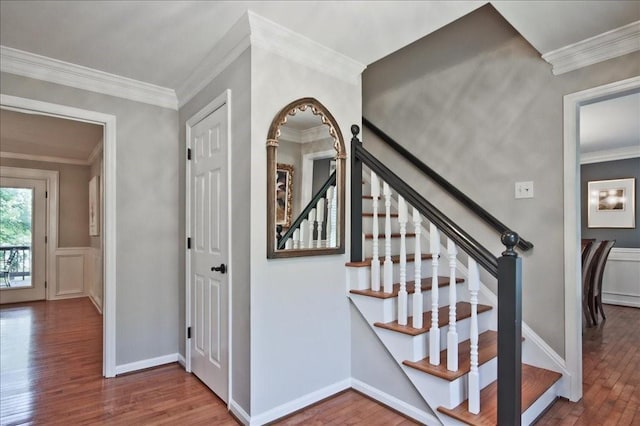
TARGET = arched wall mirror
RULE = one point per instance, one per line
(305, 182)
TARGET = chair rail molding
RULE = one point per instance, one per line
(26, 64)
(599, 48)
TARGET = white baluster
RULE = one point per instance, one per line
(388, 263)
(375, 261)
(417, 295)
(474, 377)
(334, 218)
(304, 226)
(320, 219)
(312, 225)
(434, 332)
(329, 227)
(452, 335)
(289, 244)
(402, 293)
(296, 238)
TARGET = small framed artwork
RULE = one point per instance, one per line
(284, 194)
(94, 212)
(612, 203)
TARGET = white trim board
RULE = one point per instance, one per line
(602, 47)
(26, 64)
(572, 225)
(610, 155)
(147, 363)
(622, 269)
(31, 106)
(43, 158)
(299, 403)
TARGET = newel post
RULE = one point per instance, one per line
(509, 333)
(356, 197)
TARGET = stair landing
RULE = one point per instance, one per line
(535, 382)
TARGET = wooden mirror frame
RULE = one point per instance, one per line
(341, 155)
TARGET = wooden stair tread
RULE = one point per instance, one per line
(487, 350)
(535, 382)
(394, 259)
(463, 311)
(393, 235)
(411, 288)
(380, 215)
(367, 197)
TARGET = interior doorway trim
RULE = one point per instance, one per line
(31, 106)
(572, 223)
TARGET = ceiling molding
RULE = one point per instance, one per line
(610, 155)
(254, 30)
(43, 158)
(275, 38)
(227, 50)
(609, 45)
(27, 64)
(94, 153)
(304, 136)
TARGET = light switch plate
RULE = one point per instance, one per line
(524, 189)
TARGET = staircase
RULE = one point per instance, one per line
(442, 332)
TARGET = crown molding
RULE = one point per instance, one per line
(610, 155)
(304, 136)
(94, 153)
(281, 41)
(602, 47)
(26, 64)
(43, 158)
(254, 30)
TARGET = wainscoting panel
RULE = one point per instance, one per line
(94, 285)
(621, 280)
(71, 273)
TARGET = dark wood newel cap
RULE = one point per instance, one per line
(510, 240)
(355, 130)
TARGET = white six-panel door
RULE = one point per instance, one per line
(209, 249)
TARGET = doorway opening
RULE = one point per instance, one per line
(74, 260)
(572, 222)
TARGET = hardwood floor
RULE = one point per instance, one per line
(51, 366)
(611, 374)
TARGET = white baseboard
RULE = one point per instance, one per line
(622, 299)
(395, 403)
(182, 361)
(146, 363)
(239, 412)
(299, 403)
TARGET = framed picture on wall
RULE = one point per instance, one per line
(611, 203)
(284, 194)
(94, 212)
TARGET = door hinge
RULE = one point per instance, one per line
(46, 194)
(45, 284)
(46, 240)
(189, 243)
(188, 153)
(188, 332)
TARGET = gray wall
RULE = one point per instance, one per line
(628, 238)
(73, 199)
(236, 77)
(477, 103)
(147, 209)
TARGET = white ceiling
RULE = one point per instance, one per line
(162, 42)
(44, 136)
(610, 125)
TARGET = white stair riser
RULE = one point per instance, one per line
(440, 392)
(425, 271)
(540, 405)
(376, 310)
(367, 225)
(395, 247)
(414, 348)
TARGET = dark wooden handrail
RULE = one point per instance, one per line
(445, 184)
(305, 212)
